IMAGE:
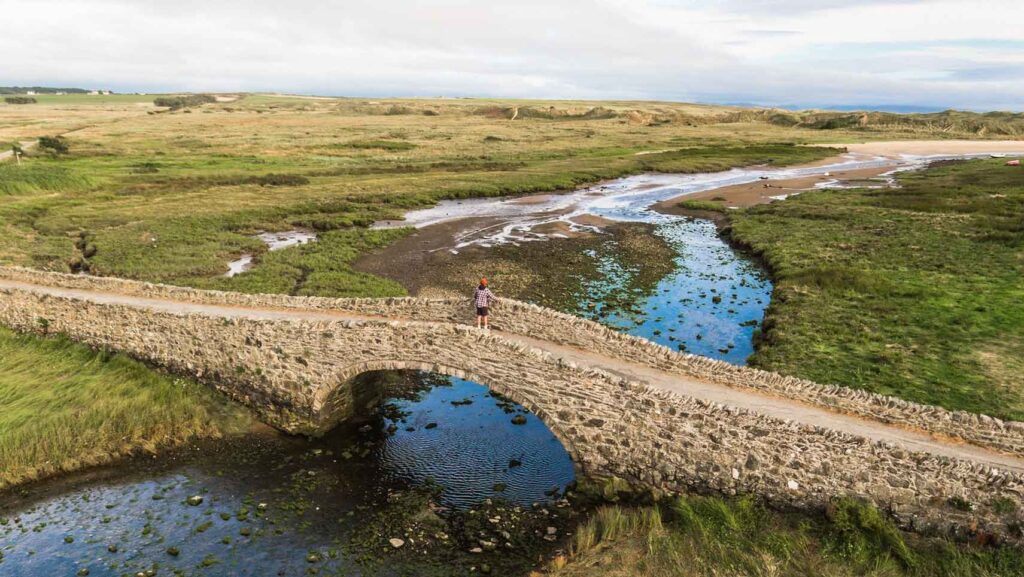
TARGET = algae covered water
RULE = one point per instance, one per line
(711, 304)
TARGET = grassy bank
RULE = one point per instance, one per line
(64, 406)
(703, 536)
(914, 292)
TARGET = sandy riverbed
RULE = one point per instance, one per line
(743, 195)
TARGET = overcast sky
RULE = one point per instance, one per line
(922, 53)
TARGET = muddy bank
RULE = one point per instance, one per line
(550, 273)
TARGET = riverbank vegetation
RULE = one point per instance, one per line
(913, 291)
(65, 407)
(704, 536)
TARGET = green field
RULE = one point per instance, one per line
(914, 291)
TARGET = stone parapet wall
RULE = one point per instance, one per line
(560, 328)
(295, 372)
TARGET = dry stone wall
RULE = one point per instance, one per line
(295, 372)
(546, 324)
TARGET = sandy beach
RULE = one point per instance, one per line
(895, 149)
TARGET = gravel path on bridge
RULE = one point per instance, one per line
(754, 401)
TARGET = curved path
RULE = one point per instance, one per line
(25, 145)
(754, 401)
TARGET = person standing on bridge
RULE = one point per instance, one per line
(483, 298)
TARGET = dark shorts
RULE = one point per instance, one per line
(481, 311)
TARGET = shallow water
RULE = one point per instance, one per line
(267, 506)
(274, 241)
(710, 305)
(623, 199)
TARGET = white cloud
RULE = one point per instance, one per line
(821, 52)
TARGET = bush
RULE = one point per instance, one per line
(859, 532)
(393, 145)
(279, 180)
(19, 100)
(184, 101)
(56, 144)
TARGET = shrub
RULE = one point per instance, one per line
(380, 144)
(183, 101)
(279, 180)
(19, 100)
(859, 532)
(56, 144)
(145, 168)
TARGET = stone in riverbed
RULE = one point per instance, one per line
(195, 500)
(519, 420)
(396, 542)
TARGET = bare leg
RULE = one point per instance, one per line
(485, 322)
(478, 320)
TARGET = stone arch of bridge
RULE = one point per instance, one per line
(326, 397)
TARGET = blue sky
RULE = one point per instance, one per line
(929, 54)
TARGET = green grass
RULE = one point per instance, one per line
(35, 178)
(709, 536)
(321, 268)
(703, 205)
(66, 406)
(914, 292)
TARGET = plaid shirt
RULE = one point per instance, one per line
(483, 297)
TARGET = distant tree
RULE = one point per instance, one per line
(19, 100)
(55, 144)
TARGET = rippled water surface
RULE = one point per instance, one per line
(285, 506)
(475, 447)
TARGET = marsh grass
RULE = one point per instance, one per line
(65, 406)
(711, 536)
(913, 292)
(34, 178)
(173, 197)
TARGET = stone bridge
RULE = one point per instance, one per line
(622, 406)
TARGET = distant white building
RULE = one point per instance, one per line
(30, 92)
(94, 93)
